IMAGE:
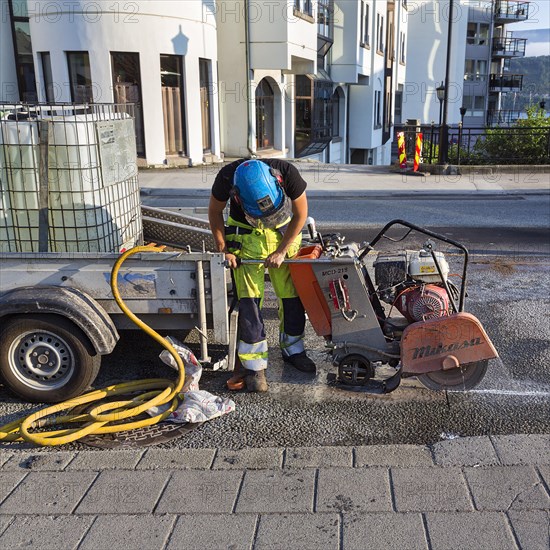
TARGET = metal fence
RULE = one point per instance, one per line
(471, 145)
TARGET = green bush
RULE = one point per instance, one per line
(526, 142)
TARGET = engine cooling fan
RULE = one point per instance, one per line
(420, 303)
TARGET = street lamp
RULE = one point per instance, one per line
(462, 114)
(444, 138)
(440, 91)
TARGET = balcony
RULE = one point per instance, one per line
(505, 82)
(502, 118)
(509, 47)
(508, 11)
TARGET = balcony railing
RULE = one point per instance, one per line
(509, 47)
(502, 118)
(505, 82)
(508, 11)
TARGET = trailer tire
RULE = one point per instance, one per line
(46, 358)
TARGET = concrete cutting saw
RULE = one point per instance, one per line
(408, 321)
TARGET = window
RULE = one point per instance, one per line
(377, 110)
(379, 33)
(80, 77)
(314, 112)
(477, 34)
(20, 8)
(325, 23)
(402, 47)
(49, 91)
(335, 114)
(173, 105)
(304, 6)
(22, 44)
(127, 90)
(265, 114)
(398, 106)
(475, 105)
(475, 70)
(365, 16)
(205, 71)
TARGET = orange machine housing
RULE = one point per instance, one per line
(444, 343)
(309, 290)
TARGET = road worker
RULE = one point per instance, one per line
(268, 208)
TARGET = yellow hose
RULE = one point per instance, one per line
(109, 417)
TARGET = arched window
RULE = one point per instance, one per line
(264, 115)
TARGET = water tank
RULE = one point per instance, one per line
(78, 164)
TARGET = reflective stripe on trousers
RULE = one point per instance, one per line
(253, 356)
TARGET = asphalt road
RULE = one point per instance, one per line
(509, 289)
(348, 210)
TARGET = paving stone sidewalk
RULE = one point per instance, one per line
(468, 493)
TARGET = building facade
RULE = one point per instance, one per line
(320, 79)
(481, 48)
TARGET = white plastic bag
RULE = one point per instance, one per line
(200, 406)
(193, 369)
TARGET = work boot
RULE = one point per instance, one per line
(300, 361)
(237, 381)
(256, 381)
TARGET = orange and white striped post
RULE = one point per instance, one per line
(418, 152)
(401, 148)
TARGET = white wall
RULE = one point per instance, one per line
(158, 27)
(233, 80)
(426, 59)
(349, 58)
(281, 40)
(8, 76)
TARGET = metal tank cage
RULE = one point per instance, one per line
(68, 178)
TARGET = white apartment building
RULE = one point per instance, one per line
(480, 52)
(159, 54)
(321, 79)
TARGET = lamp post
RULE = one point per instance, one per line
(440, 91)
(460, 127)
(444, 137)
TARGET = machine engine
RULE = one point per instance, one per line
(410, 281)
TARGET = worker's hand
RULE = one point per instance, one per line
(231, 260)
(275, 259)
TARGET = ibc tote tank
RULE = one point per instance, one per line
(92, 186)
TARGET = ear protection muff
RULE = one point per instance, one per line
(277, 175)
(234, 194)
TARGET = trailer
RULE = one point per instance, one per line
(58, 316)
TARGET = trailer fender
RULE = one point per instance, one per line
(71, 303)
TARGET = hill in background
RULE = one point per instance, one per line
(536, 83)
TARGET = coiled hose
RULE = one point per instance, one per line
(112, 416)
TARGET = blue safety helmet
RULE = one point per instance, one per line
(257, 189)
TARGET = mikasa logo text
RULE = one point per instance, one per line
(428, 351)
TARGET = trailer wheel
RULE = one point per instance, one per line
(462, 378)
(46, 358)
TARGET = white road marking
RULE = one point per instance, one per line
(513, 392)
